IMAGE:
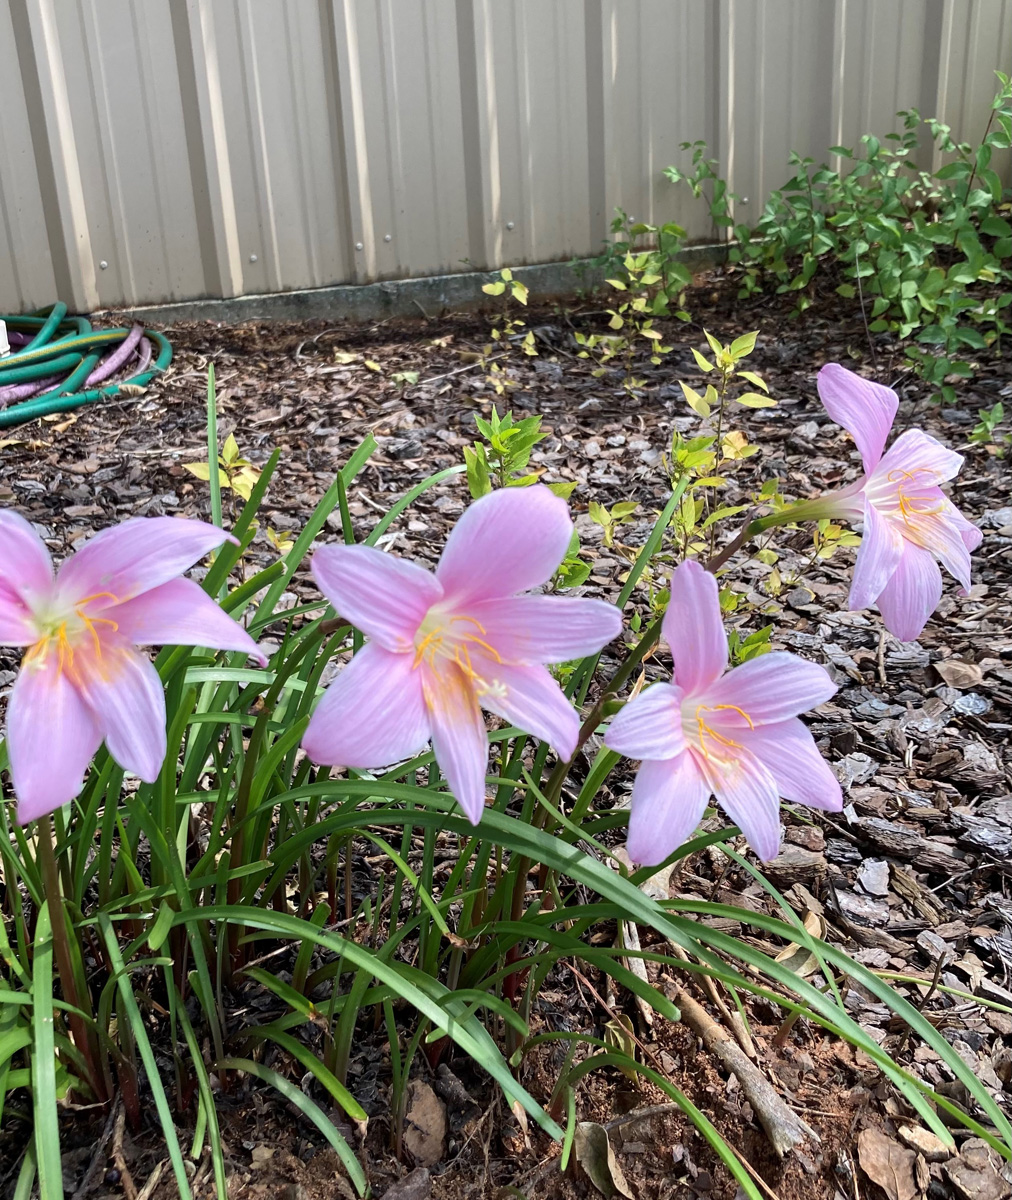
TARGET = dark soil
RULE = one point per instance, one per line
(912, 878)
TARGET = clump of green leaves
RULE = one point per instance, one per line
(928, 253)
(235, 473)
(741, 649)
(709, 460)
(632, 320)
(502, 458)
(986, 432)
(506, 331)
(611, 518)
(656, 249)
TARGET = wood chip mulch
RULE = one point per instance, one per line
(913, 877)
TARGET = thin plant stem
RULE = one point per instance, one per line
(83, 1038)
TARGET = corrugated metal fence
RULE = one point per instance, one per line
(170, 149)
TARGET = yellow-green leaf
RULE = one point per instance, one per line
(756, 400)
(694, 400)
(754, 379)
(704, 364)
(230, 451)
(744, 345)
(715, 346)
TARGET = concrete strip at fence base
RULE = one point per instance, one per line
(431, 296)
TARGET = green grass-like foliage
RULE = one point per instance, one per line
(227, 873)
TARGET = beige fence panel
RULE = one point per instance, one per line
(175, 149)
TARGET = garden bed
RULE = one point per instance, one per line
(913, 878)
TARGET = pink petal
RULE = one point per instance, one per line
(372, 715)
(458, 737)
(528, 697)
(878, 557)
(748, 793)
(693, 627)
(545, 629)
(972, 536)
(51, 737)
(912, 594)
(944, 537)
(25, 565)
(180, 613)
(507, 542)
(16, 628)
(668, 801)
(865, 409)
(802, 775)
(123, 690)
(650, 725)
(916, 458)
(770, 688)
(386, 597)
(128, 559)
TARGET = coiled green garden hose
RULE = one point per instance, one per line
(56, 355)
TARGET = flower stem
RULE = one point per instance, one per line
(84, 1039)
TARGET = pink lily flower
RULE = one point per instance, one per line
(735, 736)
(446, 645)
(908, 520)
(81, 680)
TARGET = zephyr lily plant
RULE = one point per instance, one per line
(446, 645)
(81, 680)
(909, 522)
(735, 736)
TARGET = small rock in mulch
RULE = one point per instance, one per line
(925, 1143)
(932, 945)
(415, 1186)
(866, 910)
(873, 876)
(975, 1175)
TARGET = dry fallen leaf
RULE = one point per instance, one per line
(888, 1164)
(595, 1155)
(424, 1124)
(798, 958)
(959, 675)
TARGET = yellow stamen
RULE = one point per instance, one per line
(704, 730)
(96, 596)
(443, 643)
(913, 508)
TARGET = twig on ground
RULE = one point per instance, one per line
(784, 1128)
(118, 1158)
(148, 1190)
(731, 1019)
(88, 1182)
